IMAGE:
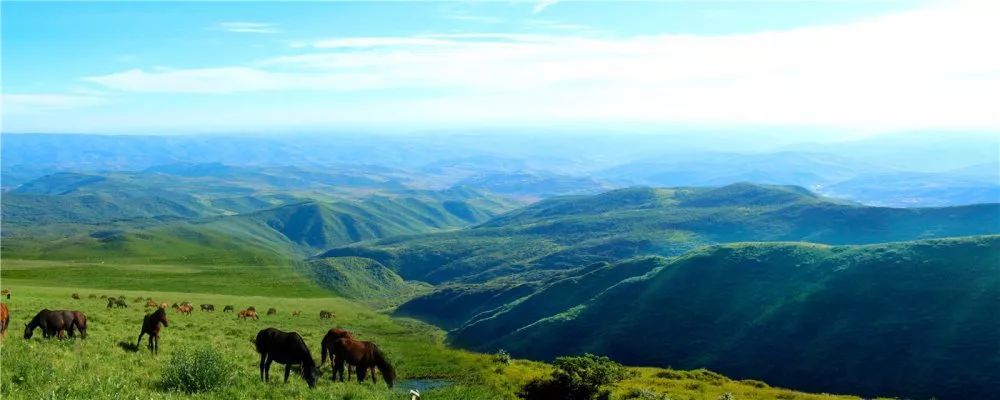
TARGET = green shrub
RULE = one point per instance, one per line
(199, 370)
(577, 378)
(646, 394)
(502, 357)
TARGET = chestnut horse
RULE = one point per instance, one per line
(151, 326)
(57, 323)
(286, 348)
(4, 319)
(364, 356)
(326, 348)
(251, 314)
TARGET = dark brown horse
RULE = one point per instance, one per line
(326, 349)
(286, 348)
(4, 319)
(57, 323)
(364, 356)
(151, 326)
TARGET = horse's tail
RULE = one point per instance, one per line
(259, 343)
(324, 348)
(388, 372)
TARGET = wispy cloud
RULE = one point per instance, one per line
(248, 27)
(31, 103)
(541, 5)
(889, 72)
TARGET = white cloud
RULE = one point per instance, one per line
(917, 69)
(248, 27)
(541, 5)
(35, 103)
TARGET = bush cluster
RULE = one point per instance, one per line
(199, 370)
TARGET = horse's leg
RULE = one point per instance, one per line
(373, 374)
(267, 369)
(263, 358)
(288, 368)
(138, 342)
(360, 371)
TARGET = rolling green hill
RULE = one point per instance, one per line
(358, 278)
(282, 234)
(914, 319)
(568, 232)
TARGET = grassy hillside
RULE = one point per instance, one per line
(275, 235)
(567, 232)
(359, 278)
(913, 319)
(106, 365)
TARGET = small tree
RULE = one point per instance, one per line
(577, 378)
(502, 357)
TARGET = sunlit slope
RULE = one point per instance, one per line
(568, 232)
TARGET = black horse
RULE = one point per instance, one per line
(57, 323)
(286, 348)
(151, 326)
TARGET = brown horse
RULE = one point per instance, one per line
(4, 319)
(245, 314)
(150, 303)
(151, 326)
(286, 348)
(364, 356)
(185, 309)
(326, 349)
(296, 313)
(57, 323)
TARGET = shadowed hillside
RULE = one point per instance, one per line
(915, 319)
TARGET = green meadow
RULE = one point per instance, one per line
(108, 365)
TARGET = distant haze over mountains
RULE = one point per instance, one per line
(917, 169)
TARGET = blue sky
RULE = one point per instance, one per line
(267, 66)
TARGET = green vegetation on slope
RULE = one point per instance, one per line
(281, 234)
(568, 232)
(914, 319)
(107, 364)
(359, 278)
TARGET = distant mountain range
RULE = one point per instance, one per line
(916, 169)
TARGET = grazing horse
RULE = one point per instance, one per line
(57, 323)
(151, 326)
(207, 307)
(150, 303)
(185, 309)
(244, 314)
(75, 296)
(286, 348)
(228, 309)
(116, 303)
(326, 349)
(271, 311)
(4, 319)
(364, 356)
(296, 313)
(92, 296)
(326, 314)
(164, 305)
